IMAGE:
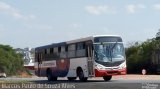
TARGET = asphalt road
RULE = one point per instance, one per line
(101, 84)
(93, 83)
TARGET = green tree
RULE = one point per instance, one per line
(139, 56)
(10, 61)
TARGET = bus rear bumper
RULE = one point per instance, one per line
(101, 73)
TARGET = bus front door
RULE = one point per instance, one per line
(39, 64)
(90, 61)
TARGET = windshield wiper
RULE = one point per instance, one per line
(114, 45)
(111, 49)
(100, 54)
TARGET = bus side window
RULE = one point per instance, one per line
(48, 51)
(59, 49)
(66, 48)
(45, 51)
(71, 50)
(84, 46)
(56, 54)
(51, 50)
(80, 50)
(63, 53)
(38, 57)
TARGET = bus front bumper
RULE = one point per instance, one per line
(101, 73)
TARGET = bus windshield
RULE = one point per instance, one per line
(109, 51)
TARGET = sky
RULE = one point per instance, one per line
(33, 23)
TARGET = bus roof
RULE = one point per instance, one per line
(50, 46)
(106, 36)
(72, 41)
(89, 38)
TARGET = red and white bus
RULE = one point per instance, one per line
(94, 56)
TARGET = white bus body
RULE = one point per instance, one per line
(94, 56)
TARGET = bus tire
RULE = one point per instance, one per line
(107, 78)
(50, 76)
(71, 78)
(54, 79)
(81, 76)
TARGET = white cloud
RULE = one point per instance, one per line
(141, 6)
(75, 25)
(6, 8)
(2, 28)
(98, 10)
(156, 7)
(37, 26)
(131, 9)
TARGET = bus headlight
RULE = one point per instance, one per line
(123, 65)
(100, 67)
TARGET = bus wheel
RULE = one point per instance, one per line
(54, 79)
(50, 76)
(107, 78)
(71, 78)
(81, 76)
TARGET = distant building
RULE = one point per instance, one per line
(28, 57)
